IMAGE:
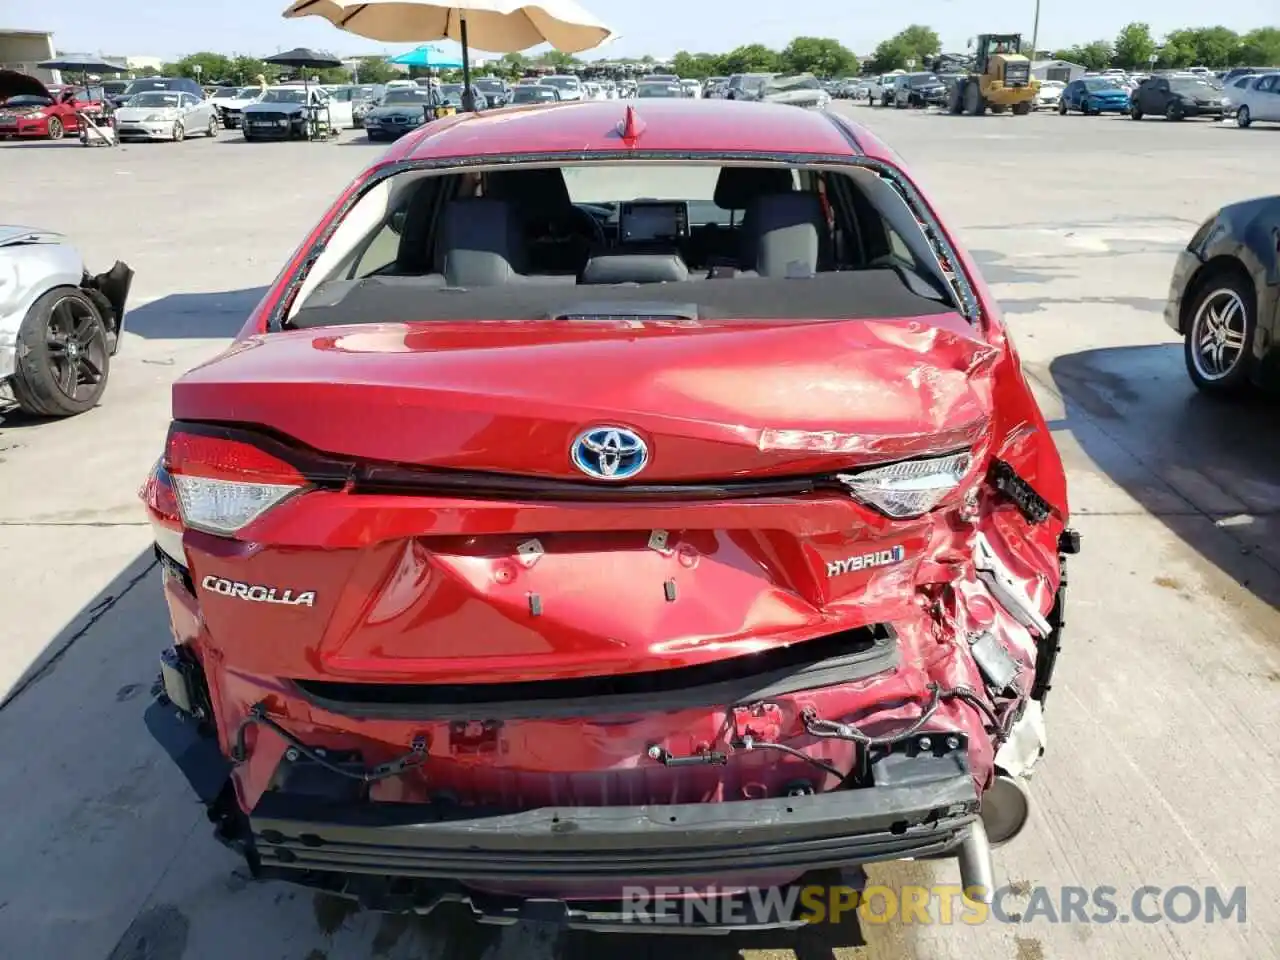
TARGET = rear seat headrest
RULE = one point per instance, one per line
(635, 268)
(738, 186)
(479, 243)
(791, 234)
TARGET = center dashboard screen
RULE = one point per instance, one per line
(650, 221)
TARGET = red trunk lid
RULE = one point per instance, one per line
(430, 587)
(713, 400)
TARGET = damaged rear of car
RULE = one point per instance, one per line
(59, 325)
(539, 540)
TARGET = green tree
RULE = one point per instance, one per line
(212, 66)
(818, 55)
(915, 44)
(1201, 46)
(1259, 48)
(374, 70)
(247, 70)
(695, 66)
(1134, 46)
(752, 58)
(1096, 55)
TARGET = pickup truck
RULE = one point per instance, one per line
(880, 89)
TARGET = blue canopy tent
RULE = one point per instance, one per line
(430, 56)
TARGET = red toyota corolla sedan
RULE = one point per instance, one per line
(613, 499)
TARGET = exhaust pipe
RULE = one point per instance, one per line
(1006, 808)
(977, 874)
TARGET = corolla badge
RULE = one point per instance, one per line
(259, 594)
(609, 453)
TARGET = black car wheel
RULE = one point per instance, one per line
(1243, 117)
(1063, 109)
(1173, 111)
(1135, 111)
(63, 357)
(1216, 347)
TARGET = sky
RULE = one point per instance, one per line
(657, 27)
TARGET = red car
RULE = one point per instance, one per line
(29, 109)
(541, 544)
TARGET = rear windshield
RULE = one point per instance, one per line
(1100, 83)
(684, 240)
(409, 95)
(156, 99)
(533, 95)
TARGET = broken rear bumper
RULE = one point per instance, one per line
(581, 866)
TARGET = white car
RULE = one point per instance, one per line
(165, 115)
(592, 91)
(229, 104)
(1258, 99)
(570, 87)
(1049, 95)
(691, 88)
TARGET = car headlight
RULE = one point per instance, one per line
(38, 115)
(908, 488)
(153, 118)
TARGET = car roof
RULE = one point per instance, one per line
(667, 125)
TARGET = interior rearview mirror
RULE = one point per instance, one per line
(397, 221)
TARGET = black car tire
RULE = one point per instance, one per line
(1243, 117)
(1174, 111)
(179, 132)
(1063, 109)
(41, 372)
(1135, 112)
(1215, 293)
(212, 129)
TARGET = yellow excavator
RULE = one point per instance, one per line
(1000, 79)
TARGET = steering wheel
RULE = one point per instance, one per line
(582, 215)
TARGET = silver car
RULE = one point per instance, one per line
(165, 115)
(59, 326)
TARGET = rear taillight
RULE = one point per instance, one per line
(222, 484)
(162, 510)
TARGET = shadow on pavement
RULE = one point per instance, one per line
(1212, 460)
(194, 315)
(108, 853)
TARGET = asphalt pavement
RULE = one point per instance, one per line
(1161, 770)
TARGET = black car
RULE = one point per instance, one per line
(534, 93)
(1176, 98)
(495, 91)
(919, 90)
(1223, 301)
(402, 109)
(149, 84)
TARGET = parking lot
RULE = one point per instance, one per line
(1161, 770)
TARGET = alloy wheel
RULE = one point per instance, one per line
(77, 348)
(1217, 334)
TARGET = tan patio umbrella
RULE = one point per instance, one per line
(498, 26)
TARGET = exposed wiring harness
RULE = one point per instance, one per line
(815, 726)
(749, 743)
(392, 768)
